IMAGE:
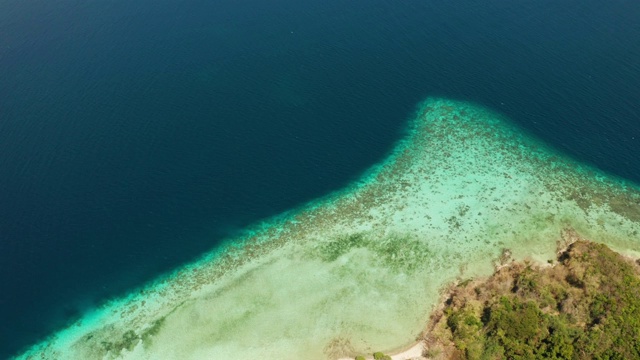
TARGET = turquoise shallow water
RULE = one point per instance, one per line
(135, 137)
(360, 270)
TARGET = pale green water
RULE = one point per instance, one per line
(360, 271)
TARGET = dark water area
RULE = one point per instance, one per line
(135, 136)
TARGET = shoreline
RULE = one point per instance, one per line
(417, 350)
(410, 352)
(564, 287)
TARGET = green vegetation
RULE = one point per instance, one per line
(381, 356)
(587, 306)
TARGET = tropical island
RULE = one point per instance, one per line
(585, 305)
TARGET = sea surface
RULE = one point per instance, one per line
(137, 135)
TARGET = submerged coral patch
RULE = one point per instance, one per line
(357, 270)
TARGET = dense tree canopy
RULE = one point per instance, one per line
(586, 306)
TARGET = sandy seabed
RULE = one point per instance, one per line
(360, 270)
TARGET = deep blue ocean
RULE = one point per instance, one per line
(136, 134)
